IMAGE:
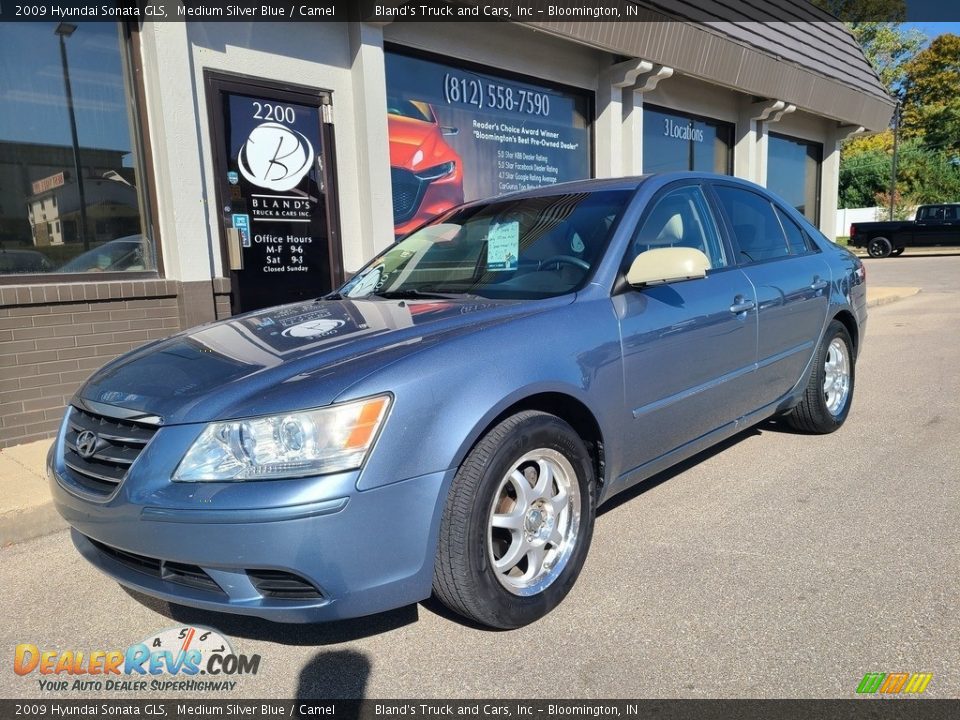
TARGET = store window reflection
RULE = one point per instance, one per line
(679, 141)
(793, 173)
(70, 184)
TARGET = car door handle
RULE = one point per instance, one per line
(818, 284)
(742, 306)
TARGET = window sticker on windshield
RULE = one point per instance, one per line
(503, 246)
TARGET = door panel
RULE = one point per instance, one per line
(792, 302)
(791, 280)
(688, 360)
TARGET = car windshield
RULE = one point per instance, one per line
(409, 109)
(511, 249)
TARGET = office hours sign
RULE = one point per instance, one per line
(275, 198)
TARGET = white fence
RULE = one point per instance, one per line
(845, 216)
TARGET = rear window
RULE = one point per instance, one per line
(797, 240)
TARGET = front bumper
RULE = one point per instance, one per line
(363, 552)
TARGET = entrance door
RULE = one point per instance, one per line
(273, 151)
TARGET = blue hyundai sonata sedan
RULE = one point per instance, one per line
(449, 421)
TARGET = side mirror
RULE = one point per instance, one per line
(664, 265)
(447, 130)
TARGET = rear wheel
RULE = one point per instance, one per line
(826, 402)
(879, 248)
(897, 251)
(517, 523)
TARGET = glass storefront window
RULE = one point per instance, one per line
(679, 141)
(458, 133)
(70, 184)
(793, 173)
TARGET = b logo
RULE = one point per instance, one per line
(275, 157)
(313, 328)
(86, 444)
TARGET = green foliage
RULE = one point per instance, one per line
(927, 81)
(862, 176)
(941, 126)
(923, 176)
(931, 81)
(861, 11)
(889, 48)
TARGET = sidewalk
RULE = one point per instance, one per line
(26, 510)
(914, 251)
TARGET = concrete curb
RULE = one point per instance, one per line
(27, 512)
(28, 523)
(885, 296)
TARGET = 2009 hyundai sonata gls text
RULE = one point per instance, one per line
(450, 420)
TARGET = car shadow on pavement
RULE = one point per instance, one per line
(326, 633)
(335, 675)
(671, 472)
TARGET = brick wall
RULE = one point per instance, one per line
(52, 337)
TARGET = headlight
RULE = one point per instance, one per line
(437, 171)
(330, 439)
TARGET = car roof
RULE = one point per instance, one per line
(620, 183)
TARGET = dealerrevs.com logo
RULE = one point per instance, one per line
(187, 659)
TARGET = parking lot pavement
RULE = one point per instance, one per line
(781, 565)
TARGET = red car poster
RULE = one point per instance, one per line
(458, 134)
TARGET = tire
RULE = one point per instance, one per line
(542, 554)
(897, 252)
(879, 248)
(825, 405)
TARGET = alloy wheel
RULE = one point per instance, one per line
(534, 522)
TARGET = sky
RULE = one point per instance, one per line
(933, 29)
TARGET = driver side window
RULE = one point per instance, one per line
(681, 218)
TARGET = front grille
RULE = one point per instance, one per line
(175, 572)
(408, 191)
(116, 445)
(282, 585)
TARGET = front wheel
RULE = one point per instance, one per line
(517, 523)
(826, 402)
(897, 252)
(879, 248)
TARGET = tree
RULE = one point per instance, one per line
(865, 11)
(923, 176)
(863, 176)
(941, 127)
(889, 48)
(875, 24)
(931, 81)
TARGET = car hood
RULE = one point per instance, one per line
(409, 137)
(285, 358)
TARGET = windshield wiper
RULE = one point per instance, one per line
(416, 294)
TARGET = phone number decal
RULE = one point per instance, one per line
(461, 90)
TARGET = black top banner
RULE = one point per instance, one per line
(470, 11)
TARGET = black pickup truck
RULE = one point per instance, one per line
(934, 225)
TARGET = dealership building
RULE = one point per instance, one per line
(158, 175)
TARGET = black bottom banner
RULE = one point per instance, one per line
(873, 708)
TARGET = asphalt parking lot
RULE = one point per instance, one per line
(779, 565)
